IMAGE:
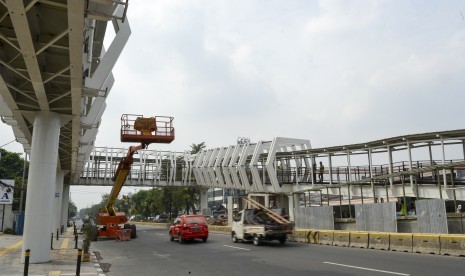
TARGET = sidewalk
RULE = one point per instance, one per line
(63, 257)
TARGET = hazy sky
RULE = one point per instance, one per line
(334, 72)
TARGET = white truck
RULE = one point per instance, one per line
(260, 224)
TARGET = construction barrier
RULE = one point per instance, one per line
(453, 245)
(326, 237)
(426, 243)
(312, 237)
(300, 235)
(341, 238)
(401, 242)
(221, 230)
(359, 239)
(378, 240)
(123, 235)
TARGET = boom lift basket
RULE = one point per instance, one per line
(136, 128)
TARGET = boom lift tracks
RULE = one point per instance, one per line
(134, 128)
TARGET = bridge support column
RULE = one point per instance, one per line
(293, 203)
(204, 201)
(391, 169)
(41, 187)
(58, 200)
(65, 206)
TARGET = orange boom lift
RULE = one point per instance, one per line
(134, 128)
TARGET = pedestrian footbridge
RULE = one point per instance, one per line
(56, 76)
(428, 165)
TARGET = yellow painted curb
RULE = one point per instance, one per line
(378, 240)
(453, 245)
(8, 249)
(341, 238)
(325, 237)
(400, 242)
(359, 239)
(426, 243)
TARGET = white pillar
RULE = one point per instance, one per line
(443, 162)
(267, 201)
(58, 201)
(348, 164)
(65, 206)
(330, 169)
(391, 179)
(410, 166)
(293, 200)
(230, 210)
(204, 201)
(41, 187)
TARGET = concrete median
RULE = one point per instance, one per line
(300, 235)
(359, 239)
(312, 237)
(378, 241)
(452, 245)
(341, 238)
(326, 237)
(426, 243)
(401, 242)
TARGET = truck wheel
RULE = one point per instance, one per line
(133, 231)
(234, 237)
(257, 240)
(171, 237)
(282, 240)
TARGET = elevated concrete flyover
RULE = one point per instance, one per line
(54, 80)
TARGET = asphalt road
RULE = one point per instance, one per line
(153, 254)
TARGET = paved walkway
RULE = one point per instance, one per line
(63, 259)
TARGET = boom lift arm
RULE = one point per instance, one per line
(134, 128)
(120, 176)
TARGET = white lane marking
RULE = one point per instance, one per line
(160, 234)
(370, 269)
(236, 247)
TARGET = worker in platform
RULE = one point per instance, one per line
(322, 170)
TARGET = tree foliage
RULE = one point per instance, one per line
(162, 200)
(11, 167)
(72, 209)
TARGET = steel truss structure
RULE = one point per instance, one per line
(53, 60)
(285, 165)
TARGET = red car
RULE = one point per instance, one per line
(188, 227)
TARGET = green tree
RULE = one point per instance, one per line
(72, 209)
(11, 167)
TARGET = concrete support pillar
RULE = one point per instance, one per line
(330, 169)
(463, 148)
(41, 187)
(293, 200)
(230, 206)
(391, 179)
(410, 165)
(444, 175)
(65, 206)
(348, 164)
(58, 201)
(204, 201)
(267, 201)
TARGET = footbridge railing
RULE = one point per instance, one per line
(287, 165)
